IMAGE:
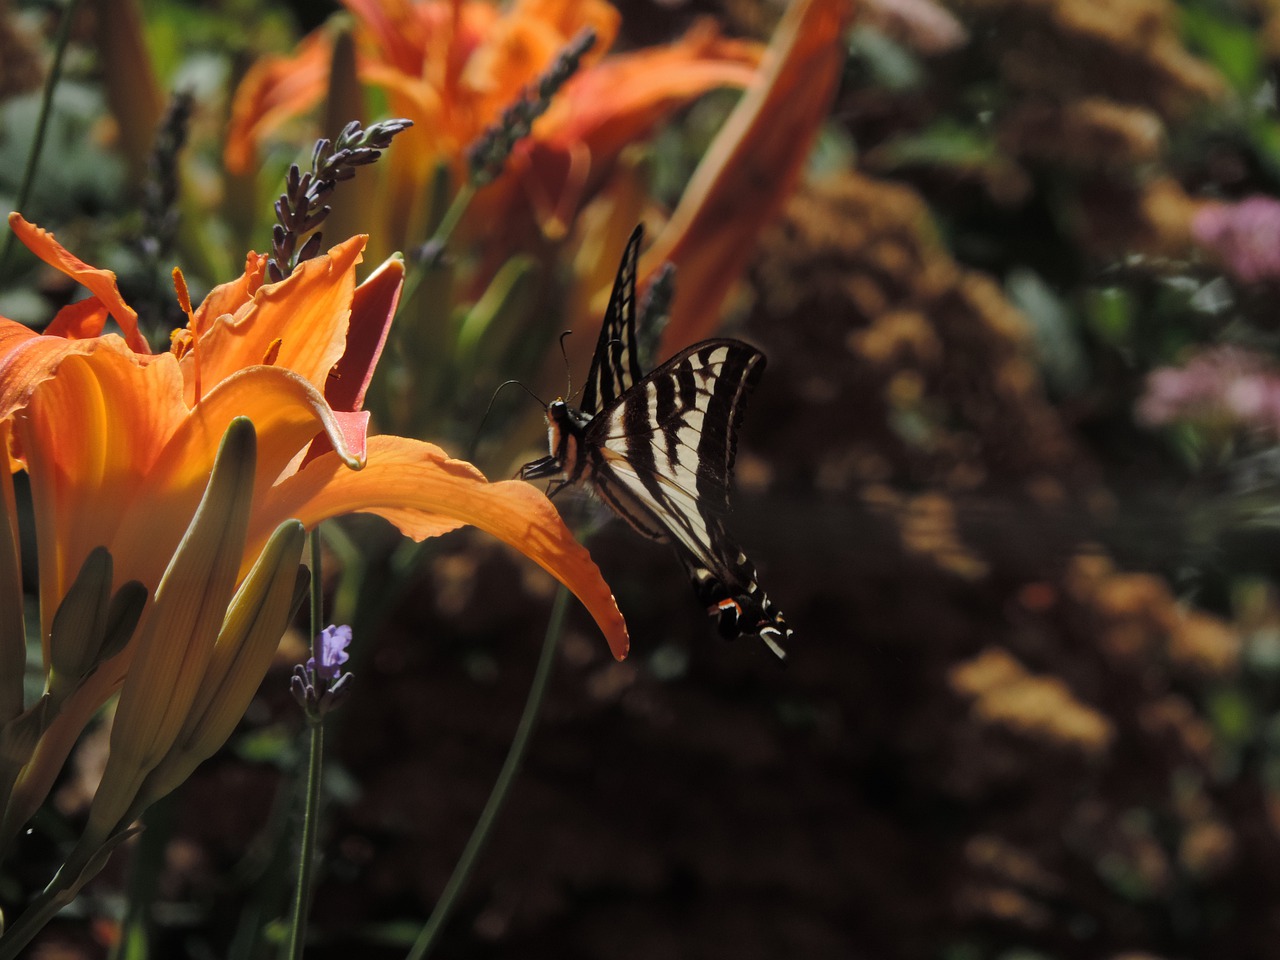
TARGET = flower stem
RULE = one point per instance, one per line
(42, 123)
(39, 912)
(429, 253)
(501, 787)
(315, 761)
(461, 200)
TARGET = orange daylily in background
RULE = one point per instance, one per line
(750, 169)
(119, 442)
(452, 66)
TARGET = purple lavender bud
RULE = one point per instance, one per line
(302, 691)
(332, 647)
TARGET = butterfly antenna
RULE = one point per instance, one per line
(475, 441)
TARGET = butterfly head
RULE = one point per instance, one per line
(562, 417)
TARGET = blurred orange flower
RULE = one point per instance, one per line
(119, 443)
(451, 66)
(751, 167)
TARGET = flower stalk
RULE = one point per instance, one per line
(316, 687)
(502, 786)
(42, 124)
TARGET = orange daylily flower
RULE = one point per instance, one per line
(119, 442)
(452, 66)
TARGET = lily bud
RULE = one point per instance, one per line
(18, 739)
(79, 624)
(177, 642)
(255, 621)
(122, 618)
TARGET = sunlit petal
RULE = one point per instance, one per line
(299, 323)
(425, 493)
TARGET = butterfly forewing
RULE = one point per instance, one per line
(675, 433)
(615, 365)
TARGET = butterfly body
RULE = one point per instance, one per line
(659, 450)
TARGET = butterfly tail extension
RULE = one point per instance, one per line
(740, 611)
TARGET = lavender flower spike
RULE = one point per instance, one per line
(320, 685)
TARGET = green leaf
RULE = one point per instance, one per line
(945, 144)
(884, 62)
(1232, 47)
(1109, 314)
(1053, 329)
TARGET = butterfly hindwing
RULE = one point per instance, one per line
(615, 366)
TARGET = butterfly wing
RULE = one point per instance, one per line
(615, 366)
(662, 457)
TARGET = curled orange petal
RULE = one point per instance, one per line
(425, 493)
(101, 283)
(79, 321)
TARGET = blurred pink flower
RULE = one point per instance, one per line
(1244, 237)
(1224, 386)
(922, 25)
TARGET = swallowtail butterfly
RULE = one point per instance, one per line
(659, 450)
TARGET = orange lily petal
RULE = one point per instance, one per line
(425, 493)
(79, 321)
(274, 90)
(626, 96)
(286, 410)
(101, 283)
(373, 307)
(227, 298)
(299, 323)
(396, 29)
(568, 17)
(621, 100)
(751, 168)
(89, 436)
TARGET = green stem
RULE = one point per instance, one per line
(440, 238)
(452, 216)
(317, 590)
(81, 866)
(501, 787)
(306, 858)
(315, 762)
(39, 912)
(42, 122)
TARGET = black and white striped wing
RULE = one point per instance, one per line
(662, 457)
(615, 366)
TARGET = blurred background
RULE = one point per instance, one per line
(1011, 474)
